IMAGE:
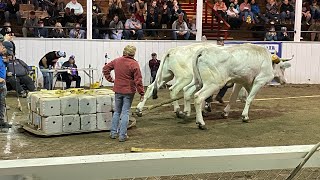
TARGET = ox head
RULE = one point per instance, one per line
(279, 66)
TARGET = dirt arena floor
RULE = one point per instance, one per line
(274, 122)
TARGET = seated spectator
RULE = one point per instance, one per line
(236, 5)
(245, 12)
(29, 25)
(115, 7)
(193, 28)
(175, 11)
(286, 12)
(283, 35)
(271, 35)
(154, 7)
(152, 23)
(73, 75)
(255, 9)
(315, 27)
(41, 32)
(181, 26)
(165, 15)
(131, 6)
(233, 17)
(315, 10)
(272, 12)
(141, 5)
(132, 28)
(77, 8)
(77, 32)
(103, 23)
(69, 18)
(18, 75)
(117, 32)
(221, 8)
(95, 11)
(306, 15)
(58, 32)
(140, 17)
(12, 10)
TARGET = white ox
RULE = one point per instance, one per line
(177, 63)
(249, 66)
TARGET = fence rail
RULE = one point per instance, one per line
(156, 164)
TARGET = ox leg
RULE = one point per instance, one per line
(257, 84)
(174, 90)
(188, 92)
(200, 96)
(232, 100)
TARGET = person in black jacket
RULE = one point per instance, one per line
(71, 75)
(12, 9)
(286, 11)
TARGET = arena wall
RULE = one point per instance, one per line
(305, 66)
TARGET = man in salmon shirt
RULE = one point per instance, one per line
(127, 81)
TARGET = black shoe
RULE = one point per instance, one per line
(5, 125)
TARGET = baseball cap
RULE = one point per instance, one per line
(72, 57)
(61, 54)
(9, 46)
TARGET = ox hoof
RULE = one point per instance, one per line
(224, 115)
(207, 107)
(180, 114)
(202, 127)
(245, 119)
(139, 113)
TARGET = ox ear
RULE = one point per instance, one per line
(285, 65)
(286, 59)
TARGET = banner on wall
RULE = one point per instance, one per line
(271, 46)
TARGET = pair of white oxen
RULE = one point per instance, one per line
(206, 68)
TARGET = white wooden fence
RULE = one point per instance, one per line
(128, 165)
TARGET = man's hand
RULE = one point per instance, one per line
(2, 80)
(9, 73)
(141, 98)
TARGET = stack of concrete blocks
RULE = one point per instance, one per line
(72, 112)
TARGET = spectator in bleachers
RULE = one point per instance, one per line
(29, 25)
(255, 9)
(233, 17)
(315, 10)
(236, 5)
(131, 6)
(221, 8)
(193, 28)
(117, 32)
(315, 27)
(245, 12)
(141, 5)
(165, 15)
(58, 32)
(103, 23)
(133, 28)
(175, 11)
(154, 6)
(95, 11)
(115, 7)
(12, 10)
(77, 32)
(152, 22)
(77, 8)
(69, 18)
(271, 35)
(306, 14)
(272, 12)
(41, 32)
(181, 27)
(21, 70)
(140, 17)
(283, 35)
(286, 12)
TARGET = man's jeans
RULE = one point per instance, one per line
(47, 79)
(122, 107)
(3, 93)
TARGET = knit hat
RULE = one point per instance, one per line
(61, 54)
(129, 50)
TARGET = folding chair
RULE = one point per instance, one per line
(33, 74)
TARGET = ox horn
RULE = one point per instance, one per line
(286, 59)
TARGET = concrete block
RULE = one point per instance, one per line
(104, 121)
(69, 105)
(87, 104)
(34, 102)
(36, 120)
(71, 123)
(49, 106)
(52, 124)
(104, 103)
(88, 122)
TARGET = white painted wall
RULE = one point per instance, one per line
(305, 65)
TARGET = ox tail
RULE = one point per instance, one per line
(158, 79)
(195, 67)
